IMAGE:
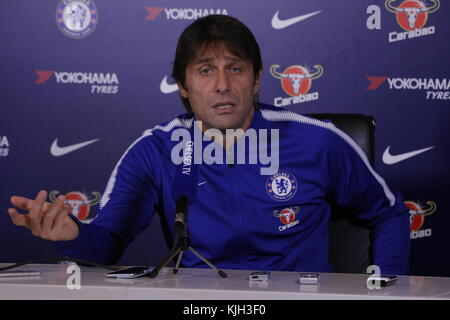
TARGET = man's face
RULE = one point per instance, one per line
(220, 88)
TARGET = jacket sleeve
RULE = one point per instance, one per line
(356, 184)
(126, 208)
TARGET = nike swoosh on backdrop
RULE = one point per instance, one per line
(58, 151)
(166, 87)
(388, 158)
(278, 24)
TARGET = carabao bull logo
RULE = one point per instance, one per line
(78, 202)
(412, 14)
(418, 213)
(296, 80)
(286, 215)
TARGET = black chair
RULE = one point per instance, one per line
(350, 243)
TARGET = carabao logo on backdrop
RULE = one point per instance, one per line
(296, 81)
(418, 212)
(4, 146)
(79, 203)
(76, 18)
(99, 83)
(181, 13)
(411, 15)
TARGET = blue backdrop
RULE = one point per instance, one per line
(77, 71)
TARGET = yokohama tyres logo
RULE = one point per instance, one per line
(181, 13)
(435, 88)
(100, 83)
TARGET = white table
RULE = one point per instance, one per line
(206, 284)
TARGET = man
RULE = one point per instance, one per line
(240, 218)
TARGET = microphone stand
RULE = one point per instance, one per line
(182, 243)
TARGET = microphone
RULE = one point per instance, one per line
(183, 193)
(181, 209)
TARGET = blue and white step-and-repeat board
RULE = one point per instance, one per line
(81, 79)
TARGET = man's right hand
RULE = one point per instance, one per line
(46, 220)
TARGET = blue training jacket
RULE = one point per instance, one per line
(241, 219)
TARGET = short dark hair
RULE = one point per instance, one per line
(209, 30)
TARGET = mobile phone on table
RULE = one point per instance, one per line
(309, 278)
(129, 273)
(383, 280)
(19, 273)
(259, 276)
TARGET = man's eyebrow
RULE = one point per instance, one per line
(211, 59)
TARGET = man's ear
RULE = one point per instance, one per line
(257, 83)
(182, 89)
